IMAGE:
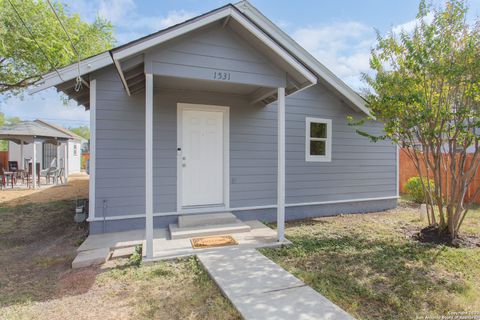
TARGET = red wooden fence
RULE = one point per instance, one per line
(85, 157)
(4, 159)
(408, 170)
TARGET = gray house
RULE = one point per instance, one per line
(223, 113)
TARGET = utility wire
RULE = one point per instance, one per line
(34, 39)
(63, 27)
(78, 85)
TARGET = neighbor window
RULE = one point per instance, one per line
(318, 143)
(75, 150)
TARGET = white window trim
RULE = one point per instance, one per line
(328, 149)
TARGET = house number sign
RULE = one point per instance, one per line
(218, 75)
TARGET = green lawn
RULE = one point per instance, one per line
(369, 265)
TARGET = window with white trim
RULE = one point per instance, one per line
(318, 142)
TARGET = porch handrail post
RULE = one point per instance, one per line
(149, 165)
(281, 165)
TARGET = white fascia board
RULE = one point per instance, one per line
(71, 72)
(246, 8)
(274, 47)
(176, 32)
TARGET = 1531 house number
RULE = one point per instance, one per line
(217, 75)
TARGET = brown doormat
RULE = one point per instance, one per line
(213, 241)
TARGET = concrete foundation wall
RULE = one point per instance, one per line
(264, 215)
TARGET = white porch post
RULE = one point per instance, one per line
(281, 165)
(65, 166)
(149, 165)
(92, 149)
(58, 162)
(34, 165)
(21, 156)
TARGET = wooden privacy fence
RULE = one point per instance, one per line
(4, 158)
(83, 161)
(408, 170)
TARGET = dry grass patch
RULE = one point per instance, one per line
(37, 245)
(370, 265)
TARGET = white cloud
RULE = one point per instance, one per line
(128, 23)
(115, 10)
(344, 48)
(410, 25)
(132, 26)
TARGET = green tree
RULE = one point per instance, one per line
(426, 90)
(21, 60)
(82, 131)
(6, 121)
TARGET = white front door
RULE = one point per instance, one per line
(202, 157)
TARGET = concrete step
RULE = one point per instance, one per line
(207, 219)
(90, 258)
(177, 232)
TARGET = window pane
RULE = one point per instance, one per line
(317, 148)
(318, 130)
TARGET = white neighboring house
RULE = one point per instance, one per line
(46, 152)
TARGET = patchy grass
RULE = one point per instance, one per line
(370, 266)
(168, 290)
(38, 243)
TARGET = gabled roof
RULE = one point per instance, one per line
(323, 73)
(73, 135)
(30, 130)
(244, 13)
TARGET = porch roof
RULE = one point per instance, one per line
(303, 70)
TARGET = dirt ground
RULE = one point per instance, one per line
(77, 187)
(38, 241)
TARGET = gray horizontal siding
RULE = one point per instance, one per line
(120, 148)
(217, 49)
(359, 168)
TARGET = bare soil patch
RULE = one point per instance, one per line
(431, 234)
(38, 242)
(77, 187)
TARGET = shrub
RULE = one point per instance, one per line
(136, 258)
(415, 190)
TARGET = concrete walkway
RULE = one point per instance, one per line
(260, 289)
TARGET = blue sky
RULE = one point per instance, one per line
(339, 33)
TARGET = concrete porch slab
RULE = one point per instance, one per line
(259, 236)
(115, 240)
(164, 248)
